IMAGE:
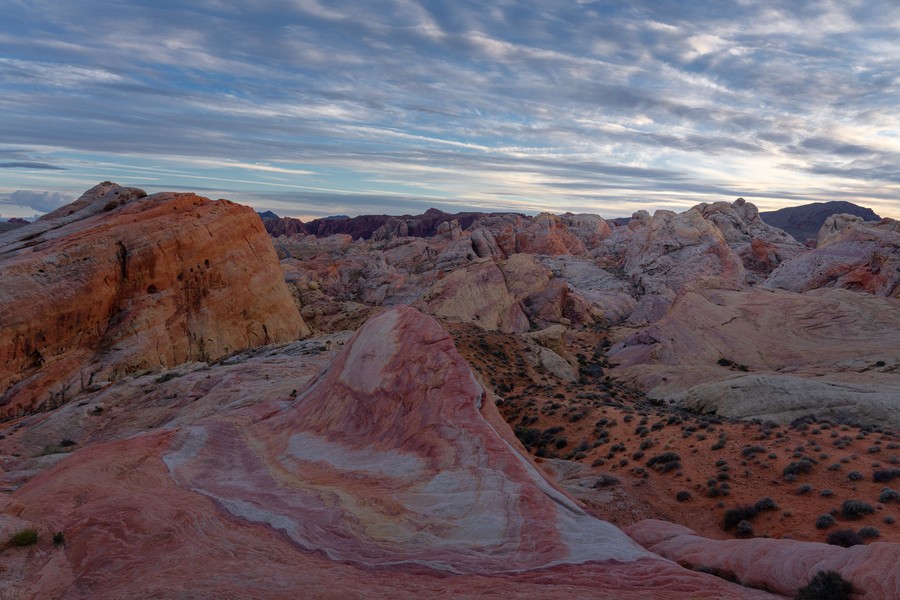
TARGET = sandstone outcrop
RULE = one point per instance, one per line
(845, 342)
(850, 253)
(671, 251)
(782, 566)
(476, 294)
(760, 246)
(119, 282)
(390, 474)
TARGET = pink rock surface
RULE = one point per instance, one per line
(390, 475)
(670, 251)
(119, 281)
(782, 566)
(803, 353)
(851, 254)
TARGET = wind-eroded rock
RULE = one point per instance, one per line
(476, 293)
(390, 475)
(120, 281)
(850, 253)
(671, 251)
(782, 566)
(845, 343)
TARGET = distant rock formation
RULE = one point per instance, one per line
(803, 222)
(771, 354)
(120, 281)
(850, 253)
(365, 226)
(13, 223)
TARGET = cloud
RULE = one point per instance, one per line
(542, 103)
(41, 202)
(30, 165)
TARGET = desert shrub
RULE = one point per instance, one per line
(885, 475)
(869, 532)
(528, 436)
(766, 503)
(889, 495)
(683, 496)
(826, 493)
(825, 521)
(750, 451)
(25, 537)
(795, 468)
(804, 489)
(826, 585)
(665, 462)
(889, 519)
(855, 509)
(744, 529)
(605, 480)
(844, 538)
(854, 476)
(735, 515)
(59, 538)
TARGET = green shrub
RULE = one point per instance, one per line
(855, 509)
(733, 516)
(744, 529)
(26, 537)
(824, 521)
(869, 532)
(766, 503)
(889, 495)
(826, 585)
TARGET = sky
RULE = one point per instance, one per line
(313, 108)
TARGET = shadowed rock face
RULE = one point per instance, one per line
(120, 281)
(389, 475)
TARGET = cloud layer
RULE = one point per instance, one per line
(315, 108)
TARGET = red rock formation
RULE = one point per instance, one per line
(119, 282)
(671, 251)
(850, 253)
(390, 475)
(782, 566)
(796, 354)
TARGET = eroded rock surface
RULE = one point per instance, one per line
(120, 281)
(390, 474)
(782, 566)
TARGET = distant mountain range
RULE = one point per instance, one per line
(803, 222)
